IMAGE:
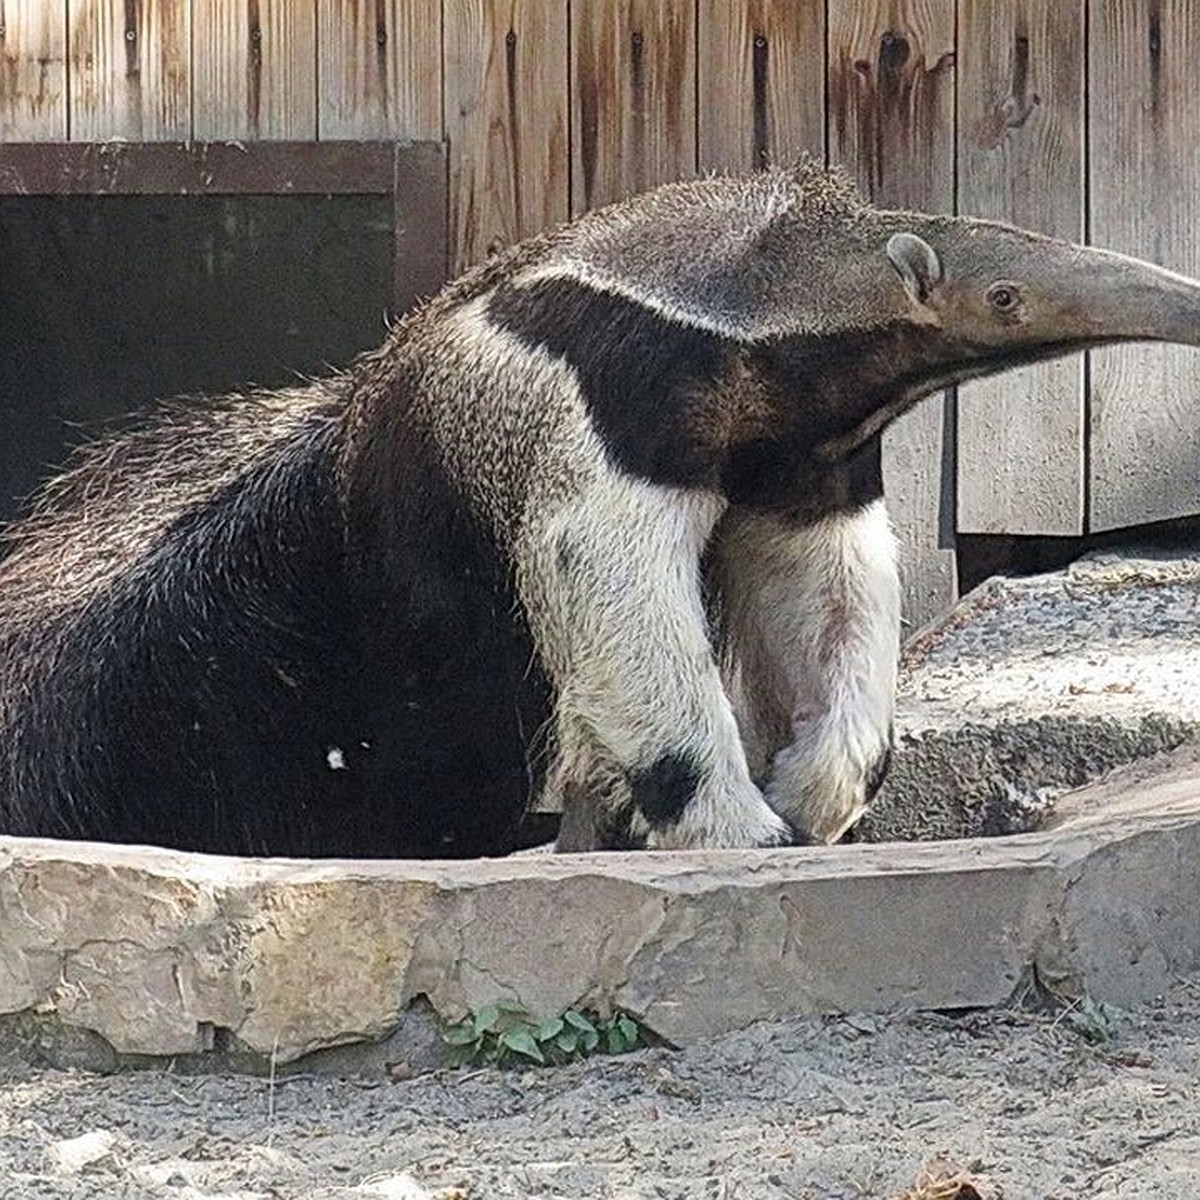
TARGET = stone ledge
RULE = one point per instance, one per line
(161, 953)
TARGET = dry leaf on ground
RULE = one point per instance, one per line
(940, 1180)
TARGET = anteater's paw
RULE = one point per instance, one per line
(723, 818)
(823, 785)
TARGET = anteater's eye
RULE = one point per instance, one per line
(1004, 297)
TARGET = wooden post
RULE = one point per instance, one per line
(761, 77)
(254, 65)
(379, 66)
(1144, 153)
(891, 122)
(633, 65)
(1020, 159)
(506, 121)
(33, 71)
(130, 70)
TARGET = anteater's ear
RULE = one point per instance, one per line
(916, 263)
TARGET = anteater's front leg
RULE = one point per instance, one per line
(645, 738)
(809, 621)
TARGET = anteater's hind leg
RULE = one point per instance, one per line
(453, 713)
(809, 615)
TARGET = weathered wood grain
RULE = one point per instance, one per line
(1144, 147)
(379, 68)
(633, 91)
(891, 97)
(891, 123)
(506, 109)
(1020, 159)
(130, 70)
(254, 66)
(33, 71)
(761, 82)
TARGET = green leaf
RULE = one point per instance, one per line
(548, 1030)
(520, 1041)
(629, 1027)
(486, 1018)
(568, 1041)
(591, 1039)
(462, 1034)
(460, 1056)
(511, 1006)
(614, 1040)
(579, 1021)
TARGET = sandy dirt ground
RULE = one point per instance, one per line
(1046, 1105)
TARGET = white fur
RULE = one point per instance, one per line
(652, 299)
(609, 573)
(810, 625)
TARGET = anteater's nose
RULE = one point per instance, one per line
(1126, 299)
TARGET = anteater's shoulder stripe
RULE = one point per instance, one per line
(711, 317)
(639, 370)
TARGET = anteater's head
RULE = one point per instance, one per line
(959, 298)
(994, 297)
(853, 313)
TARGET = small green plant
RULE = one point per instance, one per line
(1092, 1020)
(504, 1032)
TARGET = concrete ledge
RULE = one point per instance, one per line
(161, 953)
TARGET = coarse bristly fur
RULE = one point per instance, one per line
(602, 518)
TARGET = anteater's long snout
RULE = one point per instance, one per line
(1132, 300)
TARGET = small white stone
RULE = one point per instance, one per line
(335, 758)
(71, 1155)
(402, 1187)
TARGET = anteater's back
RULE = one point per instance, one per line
(173, 628)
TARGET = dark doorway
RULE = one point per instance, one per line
(110, 302)
(278, 260)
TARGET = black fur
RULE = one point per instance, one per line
(214, 665)
(771, 474)
(650, 384)
(616, 833)
(450, 671)
(877, 774)
(248, 683)
(664, 789)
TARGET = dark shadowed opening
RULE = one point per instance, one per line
(982, 555)
(108, 303)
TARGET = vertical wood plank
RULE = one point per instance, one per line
(379, 68)
(130, 70)
(1020, 159)
(33, 70)
(254, 67)
(761, 82)
(1144, 154)
(506, 121)
(633, 90)
(891, 93)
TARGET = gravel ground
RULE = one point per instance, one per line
(1112, 635)
(1048, 1107)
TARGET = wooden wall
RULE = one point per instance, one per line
(1082, 120)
